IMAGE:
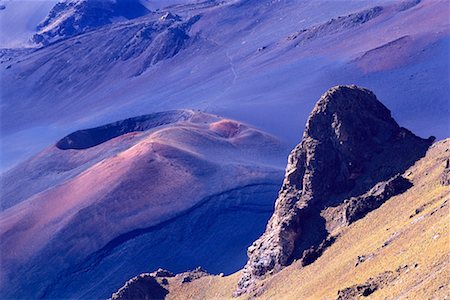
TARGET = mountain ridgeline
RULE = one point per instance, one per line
(73, 17)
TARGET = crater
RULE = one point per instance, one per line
(226, 128)
(87, 138)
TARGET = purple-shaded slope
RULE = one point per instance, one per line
(237, 58)
(168, 195)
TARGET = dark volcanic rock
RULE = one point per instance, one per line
(150, 285)
(162, 273)
(350, 143)
(356, 208)
(372, 284)
(445, 177)
(313, 253)
(190, 276)
(144, 286)
(72, 17)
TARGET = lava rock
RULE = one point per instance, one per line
(190, 276)
(162, 273)
(350, 143)
(72, 17)
(371, 285)
(144, 286)
(445, 176)
(357, 207)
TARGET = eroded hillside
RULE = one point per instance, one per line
(167, 189)
(363, 211)
(399, 251)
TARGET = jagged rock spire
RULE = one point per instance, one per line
(350, 143)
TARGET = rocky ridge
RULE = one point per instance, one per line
(342, 23)
(152, 285)
(350, 144)
(356, 208)
(72, 17)
(445, 177)
(336, 25)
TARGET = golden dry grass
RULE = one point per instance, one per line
(420, 241)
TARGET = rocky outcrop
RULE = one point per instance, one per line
(157, 37)
(365, 289)
(350, 143)
(336, 25)
(190, 276)
(162, 273)
(158, 40)
(356, 208)
(342, 23)
(145, 286)
(445, 177)
(72, 17)
(151, 285)
(373, 284)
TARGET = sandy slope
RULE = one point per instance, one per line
(408, 235)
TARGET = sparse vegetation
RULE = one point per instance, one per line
(419, 251)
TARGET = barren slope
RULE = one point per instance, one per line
(165, 189)
(234, 58)
(403, 246)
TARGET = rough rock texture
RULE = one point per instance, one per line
(314, 252)
(365, 289)
(372, 284)
(151, 285)
(336, 25)
(189, 276)
(144, 286)
(356, 208)
(72, 17)
(162, 273)
(158, 36)
(445, 177)
(350, 143)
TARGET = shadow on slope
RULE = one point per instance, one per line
(392, 150)
(213, 234)
(87, 138)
